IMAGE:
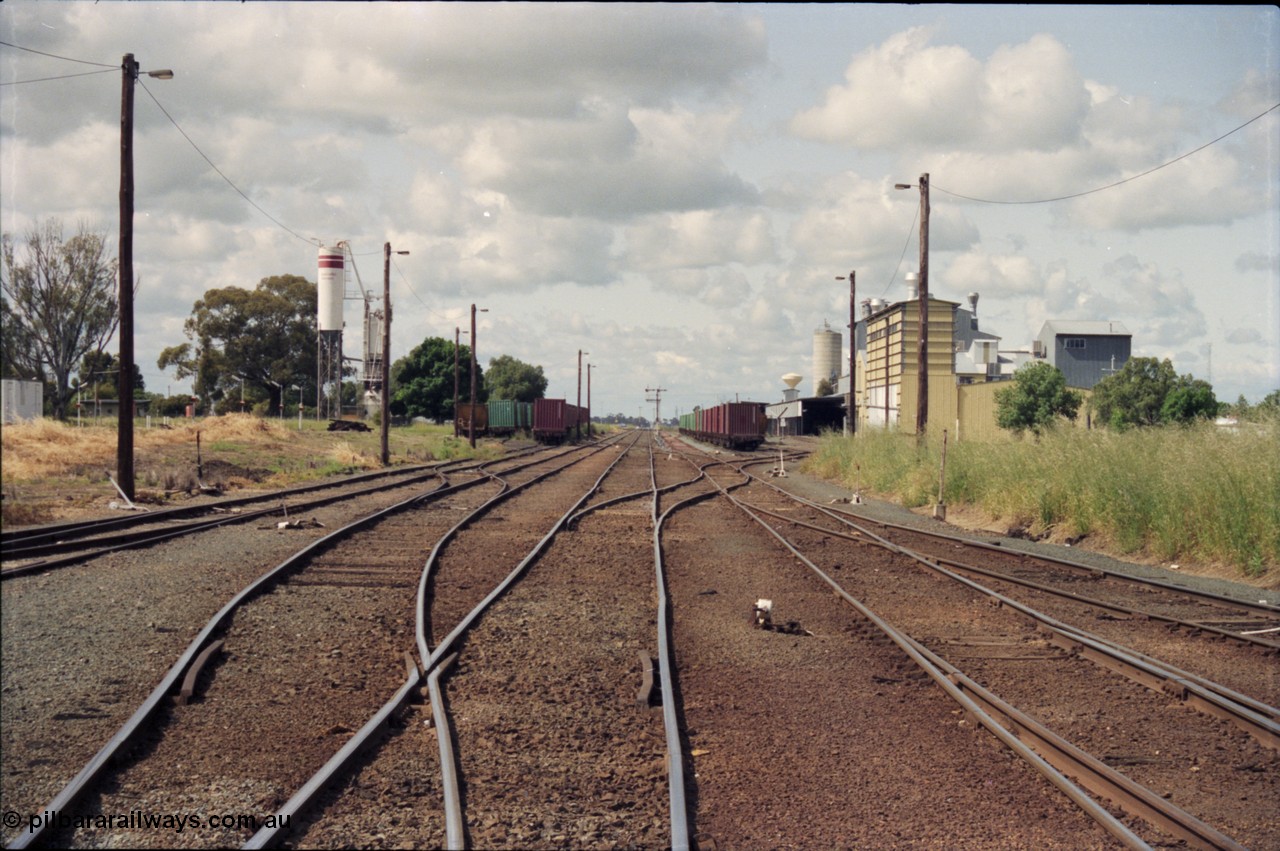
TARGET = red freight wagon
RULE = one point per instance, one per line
(556, 419)
(743, 424)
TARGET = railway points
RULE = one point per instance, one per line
(559, 588)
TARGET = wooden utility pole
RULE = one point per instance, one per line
(386, 352)
(457, 335)
(579, 417)
(471, 418)
(850, 423)
(386, 349)
(922, 356)
(124, 428)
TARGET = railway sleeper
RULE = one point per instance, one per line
(649, 695)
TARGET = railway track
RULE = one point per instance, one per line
(333, 597)
(1013, 658)
(39, 549)
(566, 708)
(469, 578)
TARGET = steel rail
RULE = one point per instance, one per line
(678, 799)
(27, 537)
(1250, 640)
(141, 539)
(71, 793)
(454, 829)
(1176, 674)
(680, 838)
(1221, 599)
(1058, 754)
(60, 531)
(904, 642)
(430, 660)
(1096, 776)
(1077, 795)
(1251, 716)
(448, 765)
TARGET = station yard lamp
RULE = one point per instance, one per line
(922, 356)
(386, 350)
(124, 427)
(471, 420)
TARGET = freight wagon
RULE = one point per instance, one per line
(469, 414)
(507, 416)
(736, 425)
(554, 420)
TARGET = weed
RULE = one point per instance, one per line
(1176, 493)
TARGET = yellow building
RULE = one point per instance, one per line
(963, 364)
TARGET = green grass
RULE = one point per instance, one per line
(1196, 493)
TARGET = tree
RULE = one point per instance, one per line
(1135, 394)
(824, 388)
(1148, 392)
(509, 378)
(1191, 399)
(59, 304)
(262, 339)
(102, 370)
(422, 381)
(1038, 397)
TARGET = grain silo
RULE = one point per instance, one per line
(826, 357)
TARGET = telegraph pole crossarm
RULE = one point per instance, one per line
(657, 402)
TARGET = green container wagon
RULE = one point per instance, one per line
(502, 416)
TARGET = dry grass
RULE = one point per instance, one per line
(58, 471)
(41, 449)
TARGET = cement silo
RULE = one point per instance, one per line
(826, 357)
(331, 285)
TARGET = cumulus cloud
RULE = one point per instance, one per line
(994, 275)
(700, 238)
(908, 93)
(611, 161)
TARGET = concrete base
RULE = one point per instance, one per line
(940, 511)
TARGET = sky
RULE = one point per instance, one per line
(673, 189)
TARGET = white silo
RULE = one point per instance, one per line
(826, 356)
(330, 291)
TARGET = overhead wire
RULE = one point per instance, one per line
(252, 203)
(56, 56)
(1257, 117)
(63, 77)
(934, 185)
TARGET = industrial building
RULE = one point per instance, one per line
(966, 366)
(1086, 352)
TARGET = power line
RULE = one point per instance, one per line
(56, 56)
(1118, 182)
(252, 203)
(63, 77)
(914, 221)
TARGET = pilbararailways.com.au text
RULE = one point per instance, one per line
(142, 820)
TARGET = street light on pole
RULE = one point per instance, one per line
(124, 428)
(386, 350)
(850, 423)
(471, 420)
(457, 335)
(590, 367)
(922, 356)
(580, 354)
